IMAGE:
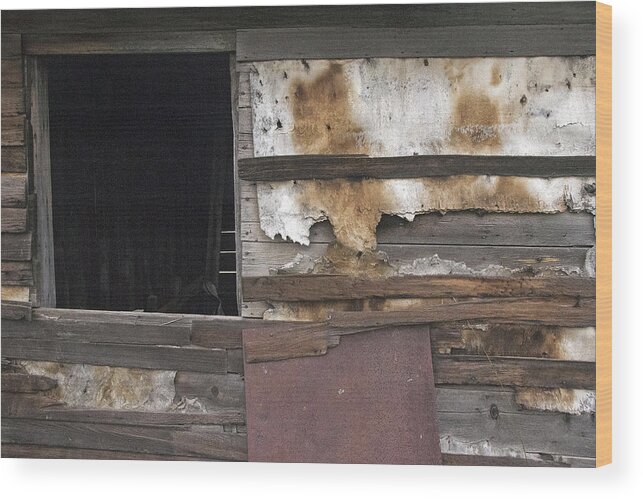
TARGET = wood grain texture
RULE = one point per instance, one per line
(26, 383)
(12, 72)
(604, 234)
(503, 371)
(13, 159)
(200, 19)
(329, 287)
(262, 259)
(13, 100)
(451, 41)
(289, 340)
(192, 440)
(14, 220)
(14, 190)
(276, 168)
(43, 264)
(464, 228)
(16, 247)
(17, 273)
(40, 407)
(131, 43)
(120, 355)
(13, 130)
(16, 310)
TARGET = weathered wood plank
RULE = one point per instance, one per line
(14, 220)
(235, 360)
(559, 311)
(12, 72)
(46, 452)
(212, 335)
(505, 371)
(328, 287)
(487, 420)
(98, 332)
(16, 247)
(131, 43)
(200, 19)
(449, 459)
(41, 407)
(16, 310)
(15, 293)
(193, 440)
(13, 159)
(516, 340)
(26, 383)
(463, 228)
(43, 264)
(259, 259)
(214, 391)
(13, 130)
(118, 355)
(11, 44)
(276, 168)
(14, 190)
(13, 100)
(288, 340)
(451, 41)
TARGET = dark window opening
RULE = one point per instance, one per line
(142, 183)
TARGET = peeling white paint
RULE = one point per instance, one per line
(401, 107)
(354, 207)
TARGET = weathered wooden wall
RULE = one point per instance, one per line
(515, 372)
(116, 385)
(317, 242)
(16, 229)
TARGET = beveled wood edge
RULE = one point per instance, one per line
(603, 234)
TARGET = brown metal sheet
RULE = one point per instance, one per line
(371, 399)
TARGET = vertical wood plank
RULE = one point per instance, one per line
(45, 287)
(603, 234)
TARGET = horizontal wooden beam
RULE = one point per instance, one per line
(198, 441)
(203, 19)
(506, 371)
(16, 310)
(329, 287)
(14, 220)
(281, 341)
(26, 383)
(118, 355)
(447, 41)
(14, 190)
(275, 168)
(13, 159)
(13, 130)
(42, 407)
(463, 228)
(16, 247)
(130, 43)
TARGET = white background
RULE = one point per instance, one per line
(117, 479)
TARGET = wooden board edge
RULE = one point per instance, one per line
(603, 234)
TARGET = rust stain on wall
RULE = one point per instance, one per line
(475, 124)
(321, 110)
